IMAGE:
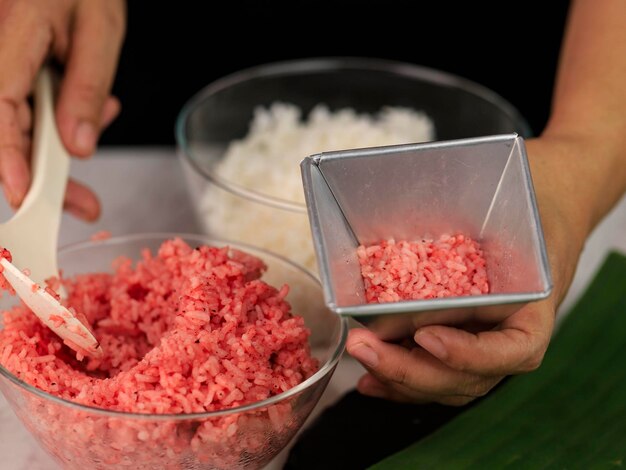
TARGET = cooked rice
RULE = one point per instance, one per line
(185, 331)
(451, 266)
(100, 236)
(266, 161)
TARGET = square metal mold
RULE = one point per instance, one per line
(480, 187)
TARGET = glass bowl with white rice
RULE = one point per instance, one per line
(241, 138)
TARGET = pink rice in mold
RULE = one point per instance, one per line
(450, 266)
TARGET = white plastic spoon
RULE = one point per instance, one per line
(32, 233)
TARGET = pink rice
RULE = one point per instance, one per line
(100, 236)
(4, 284)
(185, 331)
(425, 269)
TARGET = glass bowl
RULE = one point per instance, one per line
(222, 112)
(82, 437)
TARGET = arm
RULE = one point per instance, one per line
(579, 172)
(583, 148)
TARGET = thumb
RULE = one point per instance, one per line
(91, 64)
(503, 351)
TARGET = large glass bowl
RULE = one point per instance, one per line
(222, 112)
(82, 437)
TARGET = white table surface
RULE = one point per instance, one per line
(143, 190)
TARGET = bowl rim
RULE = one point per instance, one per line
(327, 368)
(321, 64)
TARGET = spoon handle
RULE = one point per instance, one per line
(50, 164)
(32, 233)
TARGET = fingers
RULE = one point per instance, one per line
(24, 117)
(24, 42)
(23, 46)
(517, 346)
(13, 166)
(81, 201)
(15, 149)
(26, 35)
(371, 386)
(392, 328)
(450, 365)
(404, 325)
(413, 373)
(83, 108)
(110, 111)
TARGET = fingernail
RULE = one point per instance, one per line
(85, 137)
(432, 344)
(363, 353)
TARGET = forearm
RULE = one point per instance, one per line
(588, 119)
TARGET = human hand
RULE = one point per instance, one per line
(85, 36)
(452, 365)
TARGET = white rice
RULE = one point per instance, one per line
(267, 161)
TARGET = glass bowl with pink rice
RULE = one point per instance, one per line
(247, 436)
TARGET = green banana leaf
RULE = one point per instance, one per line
(570, 413)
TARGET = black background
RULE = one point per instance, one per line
(174, 48)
